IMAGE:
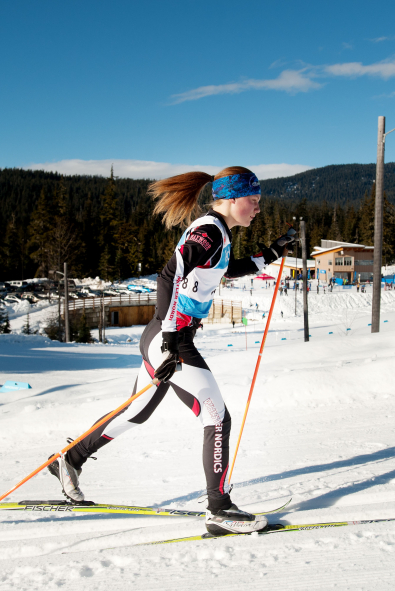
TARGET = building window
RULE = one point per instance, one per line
(363, 263)
(339, 261)
(329, 262)
(348, 261)
(365, 276)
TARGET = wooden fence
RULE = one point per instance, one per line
(124, 299)
(225, 311)
(131, 308)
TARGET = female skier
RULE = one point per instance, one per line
(186, 287)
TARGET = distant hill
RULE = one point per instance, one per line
(338, 184)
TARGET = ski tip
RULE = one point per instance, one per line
(61, 502)
(40, 502)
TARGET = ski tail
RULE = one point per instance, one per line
(278, 510)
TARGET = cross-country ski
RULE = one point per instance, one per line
(87, 507)
(271, 529)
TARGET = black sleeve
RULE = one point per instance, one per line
(249, 265)
(240, 267)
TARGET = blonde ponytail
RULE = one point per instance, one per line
(178, 196)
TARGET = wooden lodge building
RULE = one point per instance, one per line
(342, 260)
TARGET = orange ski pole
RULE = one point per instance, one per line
(73, 443)
(257, 364)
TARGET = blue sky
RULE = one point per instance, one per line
(158, 87)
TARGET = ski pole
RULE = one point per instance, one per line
(109, 416)
(257, 364)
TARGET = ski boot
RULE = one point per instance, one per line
(234, 521)
(68, 477)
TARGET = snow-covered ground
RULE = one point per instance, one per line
(97, 283)
(321, 428)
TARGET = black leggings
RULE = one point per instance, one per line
(197, 388)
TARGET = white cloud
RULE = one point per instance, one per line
(379, 96)
(384, 69)
(291, 81)
(380, 39)
(145, 169)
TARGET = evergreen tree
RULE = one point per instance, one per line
(26, 329)
(168, 250)
(334, 232)
(13, 250)
(110, 219)
(277, 224)
(326, 219)
(39, 232)
(84, 334)
(366, 225)
(366, 218)
(64, 244)
(89, 224)
(128, 250)
(388, 231)
(301, 210)
(267, 210)
(316, 235)
(52, 328)
(105, 268)
(5, 327)
(350, 225)
(258, 232)
(240, 244)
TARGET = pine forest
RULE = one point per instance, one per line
(105, 227)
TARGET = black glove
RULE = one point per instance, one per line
(283, 243)
(170, 357)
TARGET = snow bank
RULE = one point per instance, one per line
(320, 429)
(33, 340)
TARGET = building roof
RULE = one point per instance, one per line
(342, 246)
(291, 263)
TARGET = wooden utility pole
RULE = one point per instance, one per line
(378, 225)
(66, 305)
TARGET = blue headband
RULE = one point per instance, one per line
(235, 186)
